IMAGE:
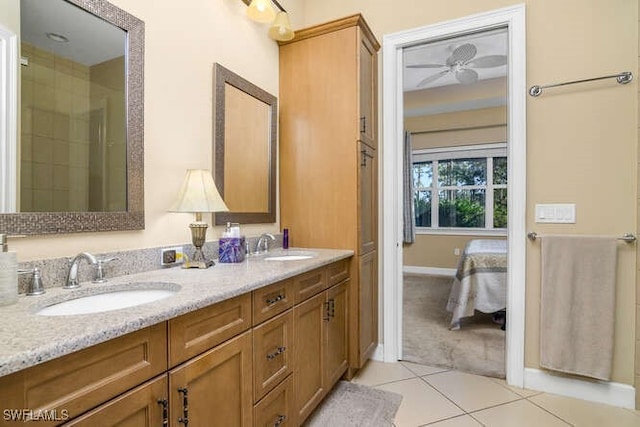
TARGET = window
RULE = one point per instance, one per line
(467, 184)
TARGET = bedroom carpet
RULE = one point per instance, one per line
(356, 405)
(478, 347)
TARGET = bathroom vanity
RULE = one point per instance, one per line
(256, 343)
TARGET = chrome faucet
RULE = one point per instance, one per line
(72, 277)
(263, 243)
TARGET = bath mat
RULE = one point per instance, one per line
(356, 405)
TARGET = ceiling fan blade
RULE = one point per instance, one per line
(488, 61)
(426, 66)
(462, 54)
(432, 78)
(467, 76)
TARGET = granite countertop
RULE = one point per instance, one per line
(29, 339)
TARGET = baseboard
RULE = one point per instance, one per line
(615, 394)
(435, 271)
(378, 353)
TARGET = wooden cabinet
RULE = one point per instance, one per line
(214, 388)
(200, 330)
(206, 367)
(272, 353)
(85, 379)
(320, 340)
(144, 406)
(276, 409)
(328, 156)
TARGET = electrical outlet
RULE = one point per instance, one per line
(171, 256)
(456, 251)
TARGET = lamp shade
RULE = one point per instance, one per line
(198, 194)
(261, 11)
(281, 28)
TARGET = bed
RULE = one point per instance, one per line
(480, 282)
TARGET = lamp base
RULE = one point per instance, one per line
(198, 264)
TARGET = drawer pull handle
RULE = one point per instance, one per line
(271, 301)
(184, 419)
(279, 420)
(276, 353)
(165, 411)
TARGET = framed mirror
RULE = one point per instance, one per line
(245, 126)
(78, 160)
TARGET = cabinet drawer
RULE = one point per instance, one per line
(272, 353)
(83, 380)
(138, 407)
(272, 300)
(276, 409)
(337, 272)
(198, 331)
(308, 284)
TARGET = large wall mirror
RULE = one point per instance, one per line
(77, 164)
(245, 125)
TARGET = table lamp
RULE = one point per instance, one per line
(198, 194)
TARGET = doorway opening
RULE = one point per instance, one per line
(511, 19)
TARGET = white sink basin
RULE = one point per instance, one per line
(290, 256)
(107, 301)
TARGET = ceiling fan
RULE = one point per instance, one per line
(460, 64)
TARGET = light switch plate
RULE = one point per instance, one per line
(556, 213)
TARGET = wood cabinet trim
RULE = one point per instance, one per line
(338, 24)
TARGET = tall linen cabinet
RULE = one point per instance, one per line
(328, 158)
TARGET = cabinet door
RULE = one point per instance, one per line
(368, 91)
(215, 388)
(140, 407)
(272, 353)
(367, 199)
(336, 347)
(309, 387)
(276, 409)
(368, 307)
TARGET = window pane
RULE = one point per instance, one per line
(500, 208)
(462, 172)
(461, 208)
(422, 203)
(499, 170)
(422, 174)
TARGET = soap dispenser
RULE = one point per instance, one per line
(8, 273)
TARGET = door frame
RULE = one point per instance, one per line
(512, 18)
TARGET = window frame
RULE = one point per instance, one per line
(434, 155)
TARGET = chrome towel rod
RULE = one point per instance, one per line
(627, 237)
(622, 78)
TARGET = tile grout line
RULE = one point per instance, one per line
(548, 411)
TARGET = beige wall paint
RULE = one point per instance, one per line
(182, 41)
(581, 140)
(10, 15)
(437, 250)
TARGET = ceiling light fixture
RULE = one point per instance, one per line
(262, 11)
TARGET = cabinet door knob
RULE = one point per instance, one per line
(276, 353)
(165, 411)
(184, 419)
(279, 420)
(271, 301)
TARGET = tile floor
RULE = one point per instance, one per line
(445, 398)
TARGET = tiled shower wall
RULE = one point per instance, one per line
(73, 138)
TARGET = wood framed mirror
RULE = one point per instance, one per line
(78, 164)
(245, 127)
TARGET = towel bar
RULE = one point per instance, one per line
(627, 237)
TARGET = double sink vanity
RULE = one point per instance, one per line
(223, 346)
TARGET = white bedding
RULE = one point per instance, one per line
(481, 280)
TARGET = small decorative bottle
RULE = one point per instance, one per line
(285, 238)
